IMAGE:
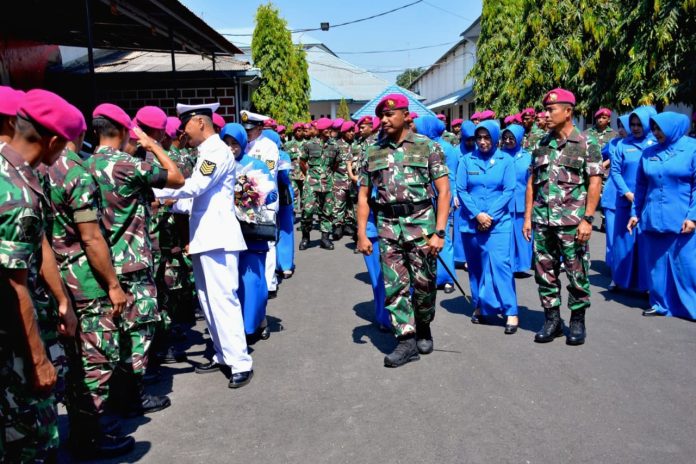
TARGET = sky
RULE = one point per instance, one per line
(435, 23)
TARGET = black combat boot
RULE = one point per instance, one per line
(338, 233)
(326, 242)
(553, 326)
(89, 439)
(146, 403)
(348, 231)
(406, 351)
(304, 243)
(424, 339)
(576, 334)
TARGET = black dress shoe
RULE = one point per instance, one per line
(172, 356)
(651, 313)
(240, 379)
(478, 319)
(207, 368)
(510, 329)
(106, 446)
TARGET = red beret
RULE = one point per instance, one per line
(308, 125)
(457, 122)
(52, 113)
(441, 117)
(298, 125)
(541, 114)
(601, 111)
(508, 119)
(348, 125)
(337, 123)
(413, 115)
(270, 122)
(280, 129)
(9, 100)
(376, 122)
(365, 119)
(487, 114)
(173, 124)
(475, 116)
(393, 101)
(529, 111)
(132, 135)
(559, 96)
(151, 116)
(114, 113)
(314, 122)
(323, 123)
(517, 118)
(218, 121)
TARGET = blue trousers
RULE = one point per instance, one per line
(459, 256)
(285, 247)
(490, 272)
(610, 226)
(374, 269)
(627, 258)
(672, 273)
(253, 290)
(521, 249)
(447, 255)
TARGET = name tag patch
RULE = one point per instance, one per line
(207, 167)
(474, 173)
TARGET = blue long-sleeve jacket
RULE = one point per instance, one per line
(521, 160)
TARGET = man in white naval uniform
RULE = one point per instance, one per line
(266, 150)
(216, 240)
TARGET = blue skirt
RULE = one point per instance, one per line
(627, 258)
(447, 255)
(253, 290)
(672, 273)
(490, 272)
(457, 243)
(285, 247)
(609, 227)
(374, 269)
(521, 249)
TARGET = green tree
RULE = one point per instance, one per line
(406, 78)
(343, 110)
(284, 90)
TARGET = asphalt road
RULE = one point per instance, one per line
(321, 394)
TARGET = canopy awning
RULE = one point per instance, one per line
(452, 99)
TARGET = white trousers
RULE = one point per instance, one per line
(217, 279)
(271, 278)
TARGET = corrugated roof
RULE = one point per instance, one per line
(452, 98)
(323, 92)
(413, 102)
(157, 62)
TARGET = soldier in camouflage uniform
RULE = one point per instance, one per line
(44, 124)
(318, 158)
(402, 168)
(125, 185)
(532, 133)
(85, 262)
(342, 206)
(562, 194)
(601, 130)
(297, 177)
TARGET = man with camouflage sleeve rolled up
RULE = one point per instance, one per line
(402, 167)
(562, 193)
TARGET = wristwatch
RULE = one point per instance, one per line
(589, 219)
(440, 233)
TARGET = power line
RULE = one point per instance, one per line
(447, 11)
(340, 24)
(367, 52)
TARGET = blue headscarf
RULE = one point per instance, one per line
(273, 136)
(468, 129)
(237, 132)
(431, 127)
(518, 132)
(643, 113)
(625, 122)
(494, 131)
(673, 125)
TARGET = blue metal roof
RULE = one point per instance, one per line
(413, 103)
(452, 98)
(320, 91)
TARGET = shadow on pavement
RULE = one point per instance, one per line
(383, 341)
(363, 277)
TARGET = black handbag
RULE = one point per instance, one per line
(264, 232)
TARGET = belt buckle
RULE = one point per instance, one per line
(399, 210)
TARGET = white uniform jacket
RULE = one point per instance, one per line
(213, 224)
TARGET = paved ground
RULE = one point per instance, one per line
(321, 394)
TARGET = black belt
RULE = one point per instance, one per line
(395, 210)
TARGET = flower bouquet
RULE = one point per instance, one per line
(250, 192)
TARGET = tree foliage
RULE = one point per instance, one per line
(343, 110)
(284, 90)
(616, 53)
(408, 76)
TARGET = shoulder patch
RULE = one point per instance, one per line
(270, 164)
(207, 168)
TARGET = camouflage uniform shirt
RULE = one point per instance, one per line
(320, 157)
(125, 184)
(602, 137)
(340, 176)
(532, 138)
(561, 177)
(294, 149)
(404, 173)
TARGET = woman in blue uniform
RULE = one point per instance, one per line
(608, 200)
(433, 128)
(521, 248)
(485, 186)
(253, 290)
(466, 146)
(628, 268)
(665, 209)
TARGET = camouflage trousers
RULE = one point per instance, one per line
(553, 245)
(406, 266)
(320, 203)
(297, 193)
(174, 288)
(342, 213)
(138, 321)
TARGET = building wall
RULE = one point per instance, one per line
(328, 109)
(449, 75)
